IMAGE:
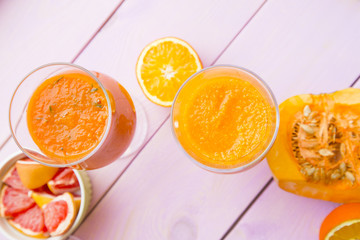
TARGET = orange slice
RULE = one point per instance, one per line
(59, 214)
(33, 174)
(44, 198)
(342, 223)
(163, 66)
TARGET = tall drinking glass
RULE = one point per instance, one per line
(225, 118)
(64, 115)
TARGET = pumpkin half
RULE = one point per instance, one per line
(317, 150)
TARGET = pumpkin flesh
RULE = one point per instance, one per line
(317, 150)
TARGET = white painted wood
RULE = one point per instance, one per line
(163, 195)
(301, 46)
(115, 50)
(357, 84)
(282, 215)
(314, 45)
(34, 32)
(291, 46)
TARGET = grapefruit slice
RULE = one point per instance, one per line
(12, 179)
(14, 201)
(30, 223)
(65, 180)
(59, 214)
(33, 174)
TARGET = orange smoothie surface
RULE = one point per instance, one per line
(67, 116)
(226, 120)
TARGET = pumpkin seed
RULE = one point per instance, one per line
(342, 167)
(307, 129)
(335, 176)
(350, 176)
(351, 123)
(312, 115)
(307, 110)
(310, 171)
(325, 152)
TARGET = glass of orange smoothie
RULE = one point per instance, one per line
(225, 118)
(64, 115)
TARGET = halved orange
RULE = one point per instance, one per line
(33, 174)
(163, 66)
(342, 223)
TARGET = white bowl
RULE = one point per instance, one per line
(85, 188)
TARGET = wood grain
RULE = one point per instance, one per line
(161, 192)
(38, 32)
(163, 195)
(281, 215)
(115, 50)
(320, 60)
(207, 25)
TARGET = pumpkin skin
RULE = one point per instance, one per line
(285, 166)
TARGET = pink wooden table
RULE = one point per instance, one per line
(302, 46)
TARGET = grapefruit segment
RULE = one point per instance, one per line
(59, 214)
(65, 180)
(33, 174)
(12, 179)
(14, 201)
(30, 223)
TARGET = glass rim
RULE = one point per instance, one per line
(268, 147)
(108, 124)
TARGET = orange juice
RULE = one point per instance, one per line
(67, 116)
(73, 117)
(223, 118)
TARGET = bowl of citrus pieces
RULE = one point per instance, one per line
(38, 201)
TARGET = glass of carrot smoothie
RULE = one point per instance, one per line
(225, 118)
(64, 115)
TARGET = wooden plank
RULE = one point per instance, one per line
(162, 195)
(301, 47)
(37, 32)
(115, 50)
(124, 37)
(357, 84)
(278, 214)
(281, 215)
